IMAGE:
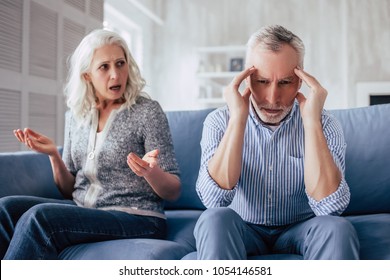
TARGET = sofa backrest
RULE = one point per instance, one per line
(366, 130)
(186, 129)
(367, 133)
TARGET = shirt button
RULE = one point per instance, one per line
(270, 168)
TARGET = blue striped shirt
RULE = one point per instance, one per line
(271, 189)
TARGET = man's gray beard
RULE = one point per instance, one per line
(272, 120)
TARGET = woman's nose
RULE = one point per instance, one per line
(114, 73)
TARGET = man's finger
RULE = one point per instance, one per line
(307, 78)
(246, 94)
(300, 97)
(242, 76)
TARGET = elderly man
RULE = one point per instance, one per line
(272, 167)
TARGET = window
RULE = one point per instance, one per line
(33, 65)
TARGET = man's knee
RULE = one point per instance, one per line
(332, 237)
(213, 219)
(334, 223)
(337, 227)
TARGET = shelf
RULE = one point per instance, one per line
(214, 71)
(217, 74)
(222, 49)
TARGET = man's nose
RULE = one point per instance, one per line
(273, 94)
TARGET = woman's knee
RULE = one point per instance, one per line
(35, 218)
(8, 202)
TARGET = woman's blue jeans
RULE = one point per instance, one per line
(40, 228)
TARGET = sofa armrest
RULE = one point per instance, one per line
(27, 173)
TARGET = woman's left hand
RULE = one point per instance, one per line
(143, 167)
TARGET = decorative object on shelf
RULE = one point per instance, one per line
(218, 65)
(236, 64)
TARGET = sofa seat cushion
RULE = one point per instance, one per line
(181, 224)
(180, 241)
(126, 249)
(374, 235)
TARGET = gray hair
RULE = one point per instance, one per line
(79, 93)
(273, 37)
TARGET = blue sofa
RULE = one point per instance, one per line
(367, 132)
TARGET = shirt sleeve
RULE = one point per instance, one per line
(208, 190)
(337, 202)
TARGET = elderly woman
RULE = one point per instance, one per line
(117, 166)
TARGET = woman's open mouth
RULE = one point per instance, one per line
(115, 88)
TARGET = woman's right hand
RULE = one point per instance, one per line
(35, 141)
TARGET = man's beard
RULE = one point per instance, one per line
(268, 118)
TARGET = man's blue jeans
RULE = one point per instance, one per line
(221, 234)
(40, 228)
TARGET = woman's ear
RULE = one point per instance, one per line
(86, 77)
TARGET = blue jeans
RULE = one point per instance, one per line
(221, 234)
(40, 228)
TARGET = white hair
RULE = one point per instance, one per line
(79, 93)
(273, 37)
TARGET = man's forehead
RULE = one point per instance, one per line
(263, 74)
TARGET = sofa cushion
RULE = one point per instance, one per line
(125, 249)
(181, 224)
(374, 235)
(186, 129)
(367, 163)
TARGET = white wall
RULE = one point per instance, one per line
(347, 41)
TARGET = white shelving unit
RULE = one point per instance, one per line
(217, 67)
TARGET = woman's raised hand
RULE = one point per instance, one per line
(36, 141)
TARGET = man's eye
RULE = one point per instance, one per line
(103, 67)
(262, 81)
(285, 82)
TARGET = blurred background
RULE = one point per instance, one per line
(188, 50)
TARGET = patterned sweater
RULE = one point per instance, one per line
(103, 178)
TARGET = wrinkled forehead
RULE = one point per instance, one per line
(109, 52)
(270, 63)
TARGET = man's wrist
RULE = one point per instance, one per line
(239, 119)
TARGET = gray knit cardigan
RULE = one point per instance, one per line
(106, 181)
